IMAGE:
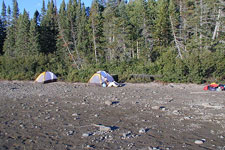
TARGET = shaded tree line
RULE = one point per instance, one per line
(182, 40)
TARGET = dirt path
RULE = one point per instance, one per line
(74, 116)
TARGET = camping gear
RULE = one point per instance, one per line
(100, 78)
(46, 77)
(215, 87)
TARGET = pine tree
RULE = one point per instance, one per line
(3, 26)
(15, 14)
(83, 35)
(122, 31)
(162, 32)
(174, 22)
(43, 11)
(63, 31)
(96, 23)
(109, 28)
(49, 30)
(9, 43)
(3, 14)
(151, 16)
(22, 46)
(34, 37)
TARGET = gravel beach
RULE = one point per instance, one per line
(75, 116)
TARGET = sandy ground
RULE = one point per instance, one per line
(75, 116)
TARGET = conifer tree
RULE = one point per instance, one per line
(162, 32)
(48, 29)
(3, 26)
(96, 23)
(151, 16)
(3, 14)
(9, 43)
(63, 31)
(22, 46)
(122, 28)
(43, 11)
(34, 37)
(15, 14)
(174, 22)
(109, 28)
(83, 35)
(137, 11)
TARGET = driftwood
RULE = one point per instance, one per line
(144, 77)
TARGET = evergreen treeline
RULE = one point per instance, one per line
(181, 40)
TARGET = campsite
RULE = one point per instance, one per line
(74, 116)
(112, 75)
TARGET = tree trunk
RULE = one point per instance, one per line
(67, 47)
(175, 39)
(74, 41)
(138, 55)
(94, 40)
(201, 22)
(217, 26)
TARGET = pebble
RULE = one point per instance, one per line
(222, 137)
(176, 112)
(156, 107)
(104, 128)
(71, 132)
(127, 135)
(163, 108)
(142, 130)
(199, 141)
(74, 114)
(86, 134)
(108, 103)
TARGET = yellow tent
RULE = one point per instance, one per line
(45, 77)
(101, 77)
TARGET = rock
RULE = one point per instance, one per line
(90, 146)
(86, 134)
(222, 137)
(156, 107)
(104, 128)
(142, 130)
(127, 135)
(176, 112)
(71, 132)
(108, 103)
(75, 114)
(162, 108)
(199, 142)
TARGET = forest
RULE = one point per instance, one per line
(179, 41)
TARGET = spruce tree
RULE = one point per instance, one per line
(83, 35)
(162, 28)
(109, 28)
(174, 22)
(137, 12)
(22, 46)
(15, 14)
(9, 43)
(49, 30)
(63, 39)
(96, 23)
(3, 26)
(34, 37)
(43, 11)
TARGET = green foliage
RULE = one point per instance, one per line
(119, 37)
(195, 68)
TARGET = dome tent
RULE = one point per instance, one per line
(46, 77)
(101, 77)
